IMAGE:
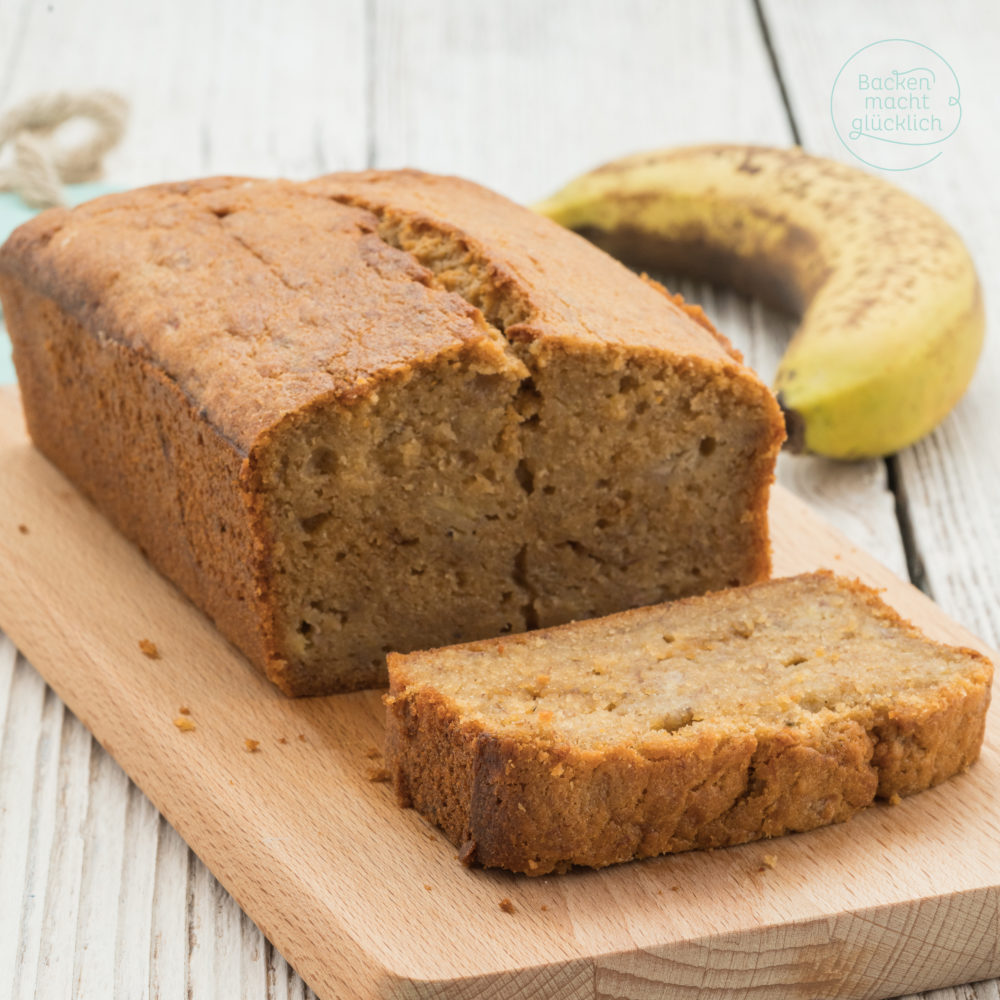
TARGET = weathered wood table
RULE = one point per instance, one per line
(98, 895)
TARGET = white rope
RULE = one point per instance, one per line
(40, 166)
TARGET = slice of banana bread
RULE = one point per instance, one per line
(711, 721)
(384, 411)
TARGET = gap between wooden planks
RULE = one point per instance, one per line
(902, 898)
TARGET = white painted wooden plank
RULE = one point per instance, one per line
(155, 55)
(134, 909)
(18, 757)
(241, 86)
(287, 88)
(40, 801)
(13, 23)
(951, 480)
(283, 982)
(104, 849)
(987, 990)
(43, 804)
(8, 661)
(224, 945)
(52, 972)
(215, 935)
(253, 966)
(294, 988)
(169, 945)
(521, 96)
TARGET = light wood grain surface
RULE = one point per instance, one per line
(98, 894)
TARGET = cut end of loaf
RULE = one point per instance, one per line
(712, 721)
(468, 501)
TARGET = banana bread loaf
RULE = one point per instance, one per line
(384, 411)
(711, 721)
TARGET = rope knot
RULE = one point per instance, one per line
(39, 166)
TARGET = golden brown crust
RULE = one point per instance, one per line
(123, 430)
(540, 805)
(535, 809)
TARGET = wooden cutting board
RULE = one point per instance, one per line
(367, 900)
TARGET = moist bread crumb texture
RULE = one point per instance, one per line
(384, 411)
(707, 722)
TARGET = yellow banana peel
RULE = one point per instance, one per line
(891, 308)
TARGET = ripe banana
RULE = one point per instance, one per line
(892, 312)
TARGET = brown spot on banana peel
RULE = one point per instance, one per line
(795, 428)
(748, 166)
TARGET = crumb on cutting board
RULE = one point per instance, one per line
(894, 799)
(251, 746)
(506, 905)
(282, 739)
(148, 648)
(184, 724)
(23, 528)
(377, 774)
(184, 710)
(770, 861)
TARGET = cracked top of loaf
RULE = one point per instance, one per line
(259, 297)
